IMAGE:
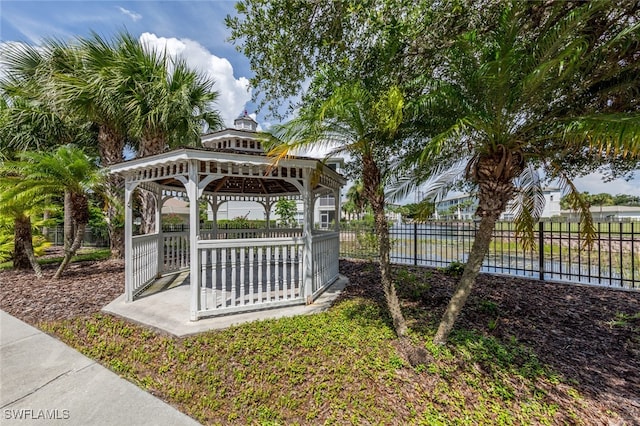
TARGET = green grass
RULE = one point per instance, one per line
(625, 320)
(85, 254)
(336, 367)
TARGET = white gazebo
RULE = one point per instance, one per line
(232, 270)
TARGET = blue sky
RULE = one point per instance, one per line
(201, 21)
(194, 29)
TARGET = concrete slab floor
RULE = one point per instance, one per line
(168, 310)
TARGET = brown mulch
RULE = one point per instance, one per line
(83, 289)
(569, 327)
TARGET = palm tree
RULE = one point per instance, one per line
(557, 97)
(130, 94)
(94, 91)
(167, 104)
(30, 124)
(58, 83)
(355, 198)
(364, 125)
(67, 170)
(18, 207)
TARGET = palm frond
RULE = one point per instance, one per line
(442, 180)
(611, 134)
(434, 182)
(529, 204)
(579, 204)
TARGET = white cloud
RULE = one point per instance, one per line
(233, 92)
(133, 15)
(594, 184)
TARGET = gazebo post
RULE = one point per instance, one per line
(267, 211)
(128, 241)
(307, 266)
(158, 219)
(214, 211)
(336, 198)
(194, 232)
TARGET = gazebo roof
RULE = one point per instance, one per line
(230, 172)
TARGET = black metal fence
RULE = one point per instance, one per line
(559, 252)
(93, 237)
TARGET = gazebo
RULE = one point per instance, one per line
(232, 270)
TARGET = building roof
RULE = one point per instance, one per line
(473, 195)
(175, 206)
(229, 172)
(614, 209)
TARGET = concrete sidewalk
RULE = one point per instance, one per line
(43, 381)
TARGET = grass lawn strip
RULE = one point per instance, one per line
(337, 367)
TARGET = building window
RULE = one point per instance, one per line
(326, 219)
(327, 200)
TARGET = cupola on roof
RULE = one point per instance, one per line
(242, 138)
(245, 122)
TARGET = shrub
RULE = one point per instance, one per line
(454, 269)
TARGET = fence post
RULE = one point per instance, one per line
(415, 243)
(541, 249)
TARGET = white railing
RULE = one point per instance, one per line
(241, 275)
(144, 262)
(176, 251)
(233, 234)
(238, 274)
(326, 251)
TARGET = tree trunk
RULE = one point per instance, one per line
(111, 146)
(467, 280)
(68, 254)
(68, 222)
(152, 143)
(375, 194)
(116, 241)
(147, 212)
(494, 174)
(79, 206)
(21, 234)
(23, 245)
(114, 192)
(46, 215)
(390, 294)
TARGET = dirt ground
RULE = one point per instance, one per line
(571, 328)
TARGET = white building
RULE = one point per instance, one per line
(463, 206)
(245, 137)
(608, 214)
